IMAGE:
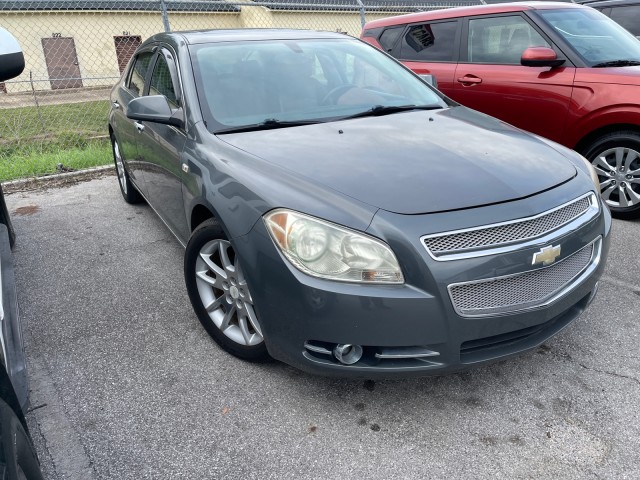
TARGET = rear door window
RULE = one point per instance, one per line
(390, 37)
(430, 42)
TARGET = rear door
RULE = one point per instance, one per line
(125, 129)
(490, 78)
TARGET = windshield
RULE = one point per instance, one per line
(286, 82)
(597, 38)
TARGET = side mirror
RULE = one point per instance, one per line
(155, 108)
(540, 57)
(11, 56)
(430, 79)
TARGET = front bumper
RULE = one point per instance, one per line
(298, 312)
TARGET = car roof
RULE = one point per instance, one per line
(607, 3)
(469, 11)
(195, 37)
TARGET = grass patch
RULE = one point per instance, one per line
(29, 122)
(50, 128)
(34, 140)
(37, 163)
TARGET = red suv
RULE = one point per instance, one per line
(566, 72)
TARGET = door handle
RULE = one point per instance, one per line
(469, 80)
(139, 126)
(115, 104)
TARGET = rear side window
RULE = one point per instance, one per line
(161, 83)
(140, 67)
(628, 17)
(501, 40)
(390, 37)
(430, 42)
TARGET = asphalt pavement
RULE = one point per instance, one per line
(126, 384)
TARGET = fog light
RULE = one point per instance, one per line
(347, 353)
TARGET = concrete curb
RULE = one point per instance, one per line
(56, 180)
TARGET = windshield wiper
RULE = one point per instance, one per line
(380, 110)
(268, 124)
(617, 63)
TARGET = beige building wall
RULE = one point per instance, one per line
(348, 22)
(93, 33)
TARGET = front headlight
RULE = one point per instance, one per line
(592, 172)
(326, 250)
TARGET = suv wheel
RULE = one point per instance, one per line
(616, 158)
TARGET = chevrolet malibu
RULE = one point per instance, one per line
(344, 217)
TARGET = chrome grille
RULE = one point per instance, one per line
(507, 233)
(521, 291)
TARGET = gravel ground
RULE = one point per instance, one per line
(125, 384)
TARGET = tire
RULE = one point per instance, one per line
(220, 295)
(5, 219)
(18, 458)
(616, 158)
(129, 192)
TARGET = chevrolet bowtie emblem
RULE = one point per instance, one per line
(546, 255)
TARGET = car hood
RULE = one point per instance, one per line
(415, 162)
(610, 75)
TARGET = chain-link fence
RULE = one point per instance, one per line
(75, 51)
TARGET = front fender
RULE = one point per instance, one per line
(593, 112)
(238, 188)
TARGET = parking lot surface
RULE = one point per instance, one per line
(126, 384)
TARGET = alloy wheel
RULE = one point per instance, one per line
(225, 295)
(618, 170)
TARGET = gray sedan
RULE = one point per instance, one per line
(341, 215)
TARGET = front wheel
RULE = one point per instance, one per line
(616, 159)
(220, 295)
